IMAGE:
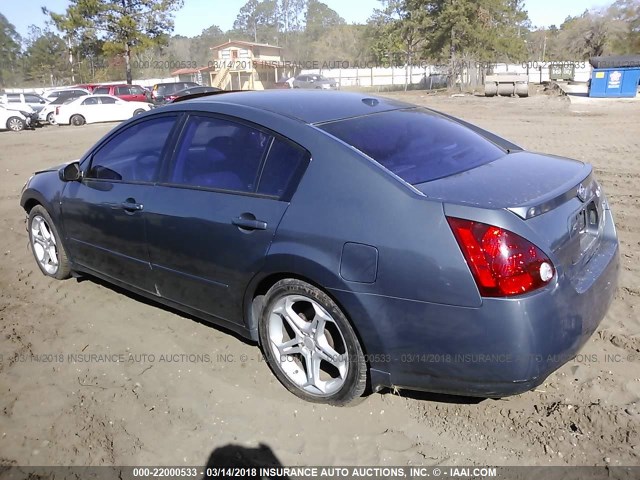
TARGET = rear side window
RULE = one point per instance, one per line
(107, 100)
(122, 91)
(90, 101)
(415, 144)
(133, 155)
(101, 90)
(284, 166)
(219, 154)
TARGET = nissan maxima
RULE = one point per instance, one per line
(362, 242)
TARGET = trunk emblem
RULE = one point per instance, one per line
(582, 193)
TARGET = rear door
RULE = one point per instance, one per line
(113, 110)
(124, 92)
(91, 109)
(209, 224)
(104, 214)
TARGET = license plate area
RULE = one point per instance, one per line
(585, 228)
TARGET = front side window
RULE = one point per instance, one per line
(219, 154)
(415, 144)
(134, 154)
(101, 91)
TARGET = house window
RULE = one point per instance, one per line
(234, 54)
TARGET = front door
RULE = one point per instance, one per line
(104, 214)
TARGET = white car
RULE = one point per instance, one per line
(97, 108)
(12, 119)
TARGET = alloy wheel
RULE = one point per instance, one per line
(44, 245)
(15, 124)
(310, 348)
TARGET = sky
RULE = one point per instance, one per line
(196, 15)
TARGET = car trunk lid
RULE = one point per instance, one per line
(558, 198)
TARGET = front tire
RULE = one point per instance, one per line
(310, 345)
(15, 124)
(138, 111)
(77, 120)
(46, 246)
(50, 119)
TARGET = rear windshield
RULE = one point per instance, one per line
(416, 144)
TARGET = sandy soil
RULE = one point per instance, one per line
(180, 405)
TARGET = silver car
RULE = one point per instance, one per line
(35, 101)
(313, 80)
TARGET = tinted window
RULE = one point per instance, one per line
(415, 144)
(136, 91)
(90, 101)
(122, 90)
(133, 155)
(13, 98)
(285, 164)
(101, 90)
(107, 100)
(32, 98)
(217, 153)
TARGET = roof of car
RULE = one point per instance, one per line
(309, 106)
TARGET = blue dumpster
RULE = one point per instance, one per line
(615, 76)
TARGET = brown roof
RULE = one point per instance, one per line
(187, 71)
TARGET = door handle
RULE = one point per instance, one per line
(249, 223)
(131, 206)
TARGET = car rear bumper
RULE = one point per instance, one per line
(504, 347)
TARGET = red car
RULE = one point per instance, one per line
(130, 93)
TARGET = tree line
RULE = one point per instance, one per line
(103, 40)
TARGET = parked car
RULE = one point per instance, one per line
(36, 102)
(97, 108)
(192, 91)
(129, 93)
(161, 91)
(62, 92)
(415, 250)
(13, 119)
(314, 81)
(47, 114)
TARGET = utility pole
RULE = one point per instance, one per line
(73, 79)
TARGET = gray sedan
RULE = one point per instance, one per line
(360, 241)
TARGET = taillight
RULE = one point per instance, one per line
(57, 110)
(502, 262)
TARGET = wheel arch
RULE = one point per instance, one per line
(302, 269)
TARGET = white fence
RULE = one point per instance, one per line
(538, 72)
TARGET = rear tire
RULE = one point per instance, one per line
(310, 345)
(46, 244)
(15, 124)
(50, 119)
(138, 111)
(77, 120)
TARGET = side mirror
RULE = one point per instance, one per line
(70, 173)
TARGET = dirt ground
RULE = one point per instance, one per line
(186, 388)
